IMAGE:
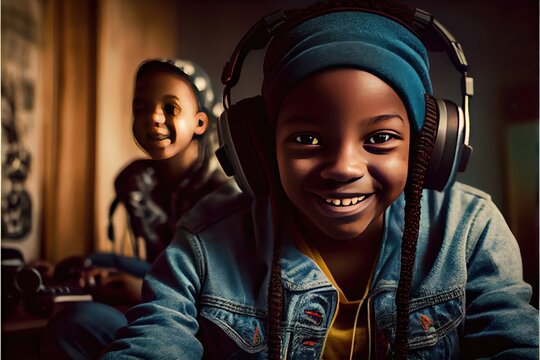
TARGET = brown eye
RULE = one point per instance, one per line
(171, 109)
(380, 138)
(306, 139)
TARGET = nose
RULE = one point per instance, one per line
(158, 117)
(345, 164)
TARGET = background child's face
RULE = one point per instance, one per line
(342, 144)
(165, 114)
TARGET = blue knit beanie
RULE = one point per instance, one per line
(351, 39)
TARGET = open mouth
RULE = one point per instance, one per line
(342, 204)
(344, 201)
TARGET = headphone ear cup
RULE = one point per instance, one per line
(246, 140)
(450, 152)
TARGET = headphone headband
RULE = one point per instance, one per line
(426, 27)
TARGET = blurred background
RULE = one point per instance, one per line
(67, 82)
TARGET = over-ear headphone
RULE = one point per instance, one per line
(245, 134)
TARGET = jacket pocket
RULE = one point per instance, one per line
(434, 323)
(435, 320)
(243, 324)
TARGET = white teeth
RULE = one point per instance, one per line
(345, 202)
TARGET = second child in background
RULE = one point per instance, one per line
(174, 111)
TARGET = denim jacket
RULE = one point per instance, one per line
(207, 293)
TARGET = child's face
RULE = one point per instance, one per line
(342, 144)
(165, 114)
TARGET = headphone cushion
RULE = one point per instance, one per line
(250, 143)
(448, 143)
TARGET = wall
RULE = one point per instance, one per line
(22, 125)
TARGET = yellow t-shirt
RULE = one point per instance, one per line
(348, 335)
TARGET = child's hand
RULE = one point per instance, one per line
(113, 287)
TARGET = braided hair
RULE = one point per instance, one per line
(421, 150)
(275, 296)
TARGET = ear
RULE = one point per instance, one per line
(202, 122)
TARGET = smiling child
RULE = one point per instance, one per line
(173, 123)
(335, 260)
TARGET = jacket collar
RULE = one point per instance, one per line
(298, 271)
